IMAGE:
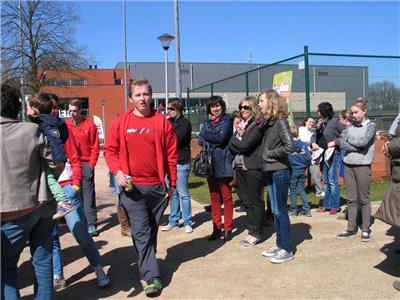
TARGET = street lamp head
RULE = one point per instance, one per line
(166, 40)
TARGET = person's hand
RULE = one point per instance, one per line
(75, 187)
(314, 146)
(60, 165)
(168, 195)
(331, 144)
(120, 176)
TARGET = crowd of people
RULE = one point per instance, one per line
(48, 173)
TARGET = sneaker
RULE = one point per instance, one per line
(282, 256)
(292, 214)
(92, 230)
(333, 212)
(63, 209)
(346, 234)
(102, 278)
(322, 209)
(365, 236)
(396, 285)
(59, 282)
(153, 286)
(305, 213)
(321, 194)
(271, 251)
(168, 227)
(188, 229)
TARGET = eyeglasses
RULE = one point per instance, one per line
(245, 107)
(171, 108)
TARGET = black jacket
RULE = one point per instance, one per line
(249, 146)
(183, 131)
(276, 146)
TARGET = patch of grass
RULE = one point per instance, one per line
(198, 189)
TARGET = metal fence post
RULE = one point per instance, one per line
(307, 82)
(187, 103)
(247, 84)
(212, 89)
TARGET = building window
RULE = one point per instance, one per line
(118, 81)
(65, 82)
(323, 73)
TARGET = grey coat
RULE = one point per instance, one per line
(358, 142)
(23, 156)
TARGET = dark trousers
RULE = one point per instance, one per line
(219, 187)
(249, 189)
(144, 213)
(88, 194)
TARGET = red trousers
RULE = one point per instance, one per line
(220, 187)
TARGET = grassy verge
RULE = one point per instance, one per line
(198, 189)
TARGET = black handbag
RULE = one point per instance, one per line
(203, 163)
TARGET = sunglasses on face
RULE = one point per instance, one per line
(171, 108)
(245, 107)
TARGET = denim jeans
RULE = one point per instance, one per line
(332, 191)
(77, 225)
(37, 228)
(181, 197)
(297, 187)
(278, 185)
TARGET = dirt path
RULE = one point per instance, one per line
(194, 268)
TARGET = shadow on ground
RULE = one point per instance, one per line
(391, 264)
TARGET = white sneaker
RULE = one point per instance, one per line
(188, 229)
(168, 227)
(102, 278)
(321, 194)
(282, 256)
(271, 251)
(59, 282)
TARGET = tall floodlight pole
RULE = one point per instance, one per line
(166, 40)
(178, 90)
(125, 59)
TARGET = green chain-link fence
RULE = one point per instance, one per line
(317, 77)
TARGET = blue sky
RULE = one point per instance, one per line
(225, 31)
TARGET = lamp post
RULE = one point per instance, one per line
(166, 40)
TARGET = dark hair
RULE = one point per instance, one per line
(41, 102)
(176, 103)
(235, 114)
(10, 104)
(304, 121)
(326, 110)
(215, 100)
(76, 102)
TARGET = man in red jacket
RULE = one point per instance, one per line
(140, 150)
(87, 141)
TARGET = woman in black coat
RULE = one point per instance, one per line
(245, 145)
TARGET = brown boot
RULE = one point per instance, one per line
(124, 222)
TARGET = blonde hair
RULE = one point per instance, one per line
(294, 131)
(252, 101)
(139, 82)
(276, 106)
(361, 103)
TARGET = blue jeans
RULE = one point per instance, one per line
(297, 186)
(77, 225)
(37, 228)
(181, 193)
(278, 185)
(332, 191)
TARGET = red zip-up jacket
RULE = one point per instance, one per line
(72, 153)
(116, 152)
(87, 140)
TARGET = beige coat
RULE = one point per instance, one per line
(23, 157)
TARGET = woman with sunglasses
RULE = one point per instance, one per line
(216, 132)
(183, 131)
(245, 145)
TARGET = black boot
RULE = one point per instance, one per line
(227, 236)
(215, 235)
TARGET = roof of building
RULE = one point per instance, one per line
(192, 74)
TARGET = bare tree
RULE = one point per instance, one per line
(38, 35)
(384, 95)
